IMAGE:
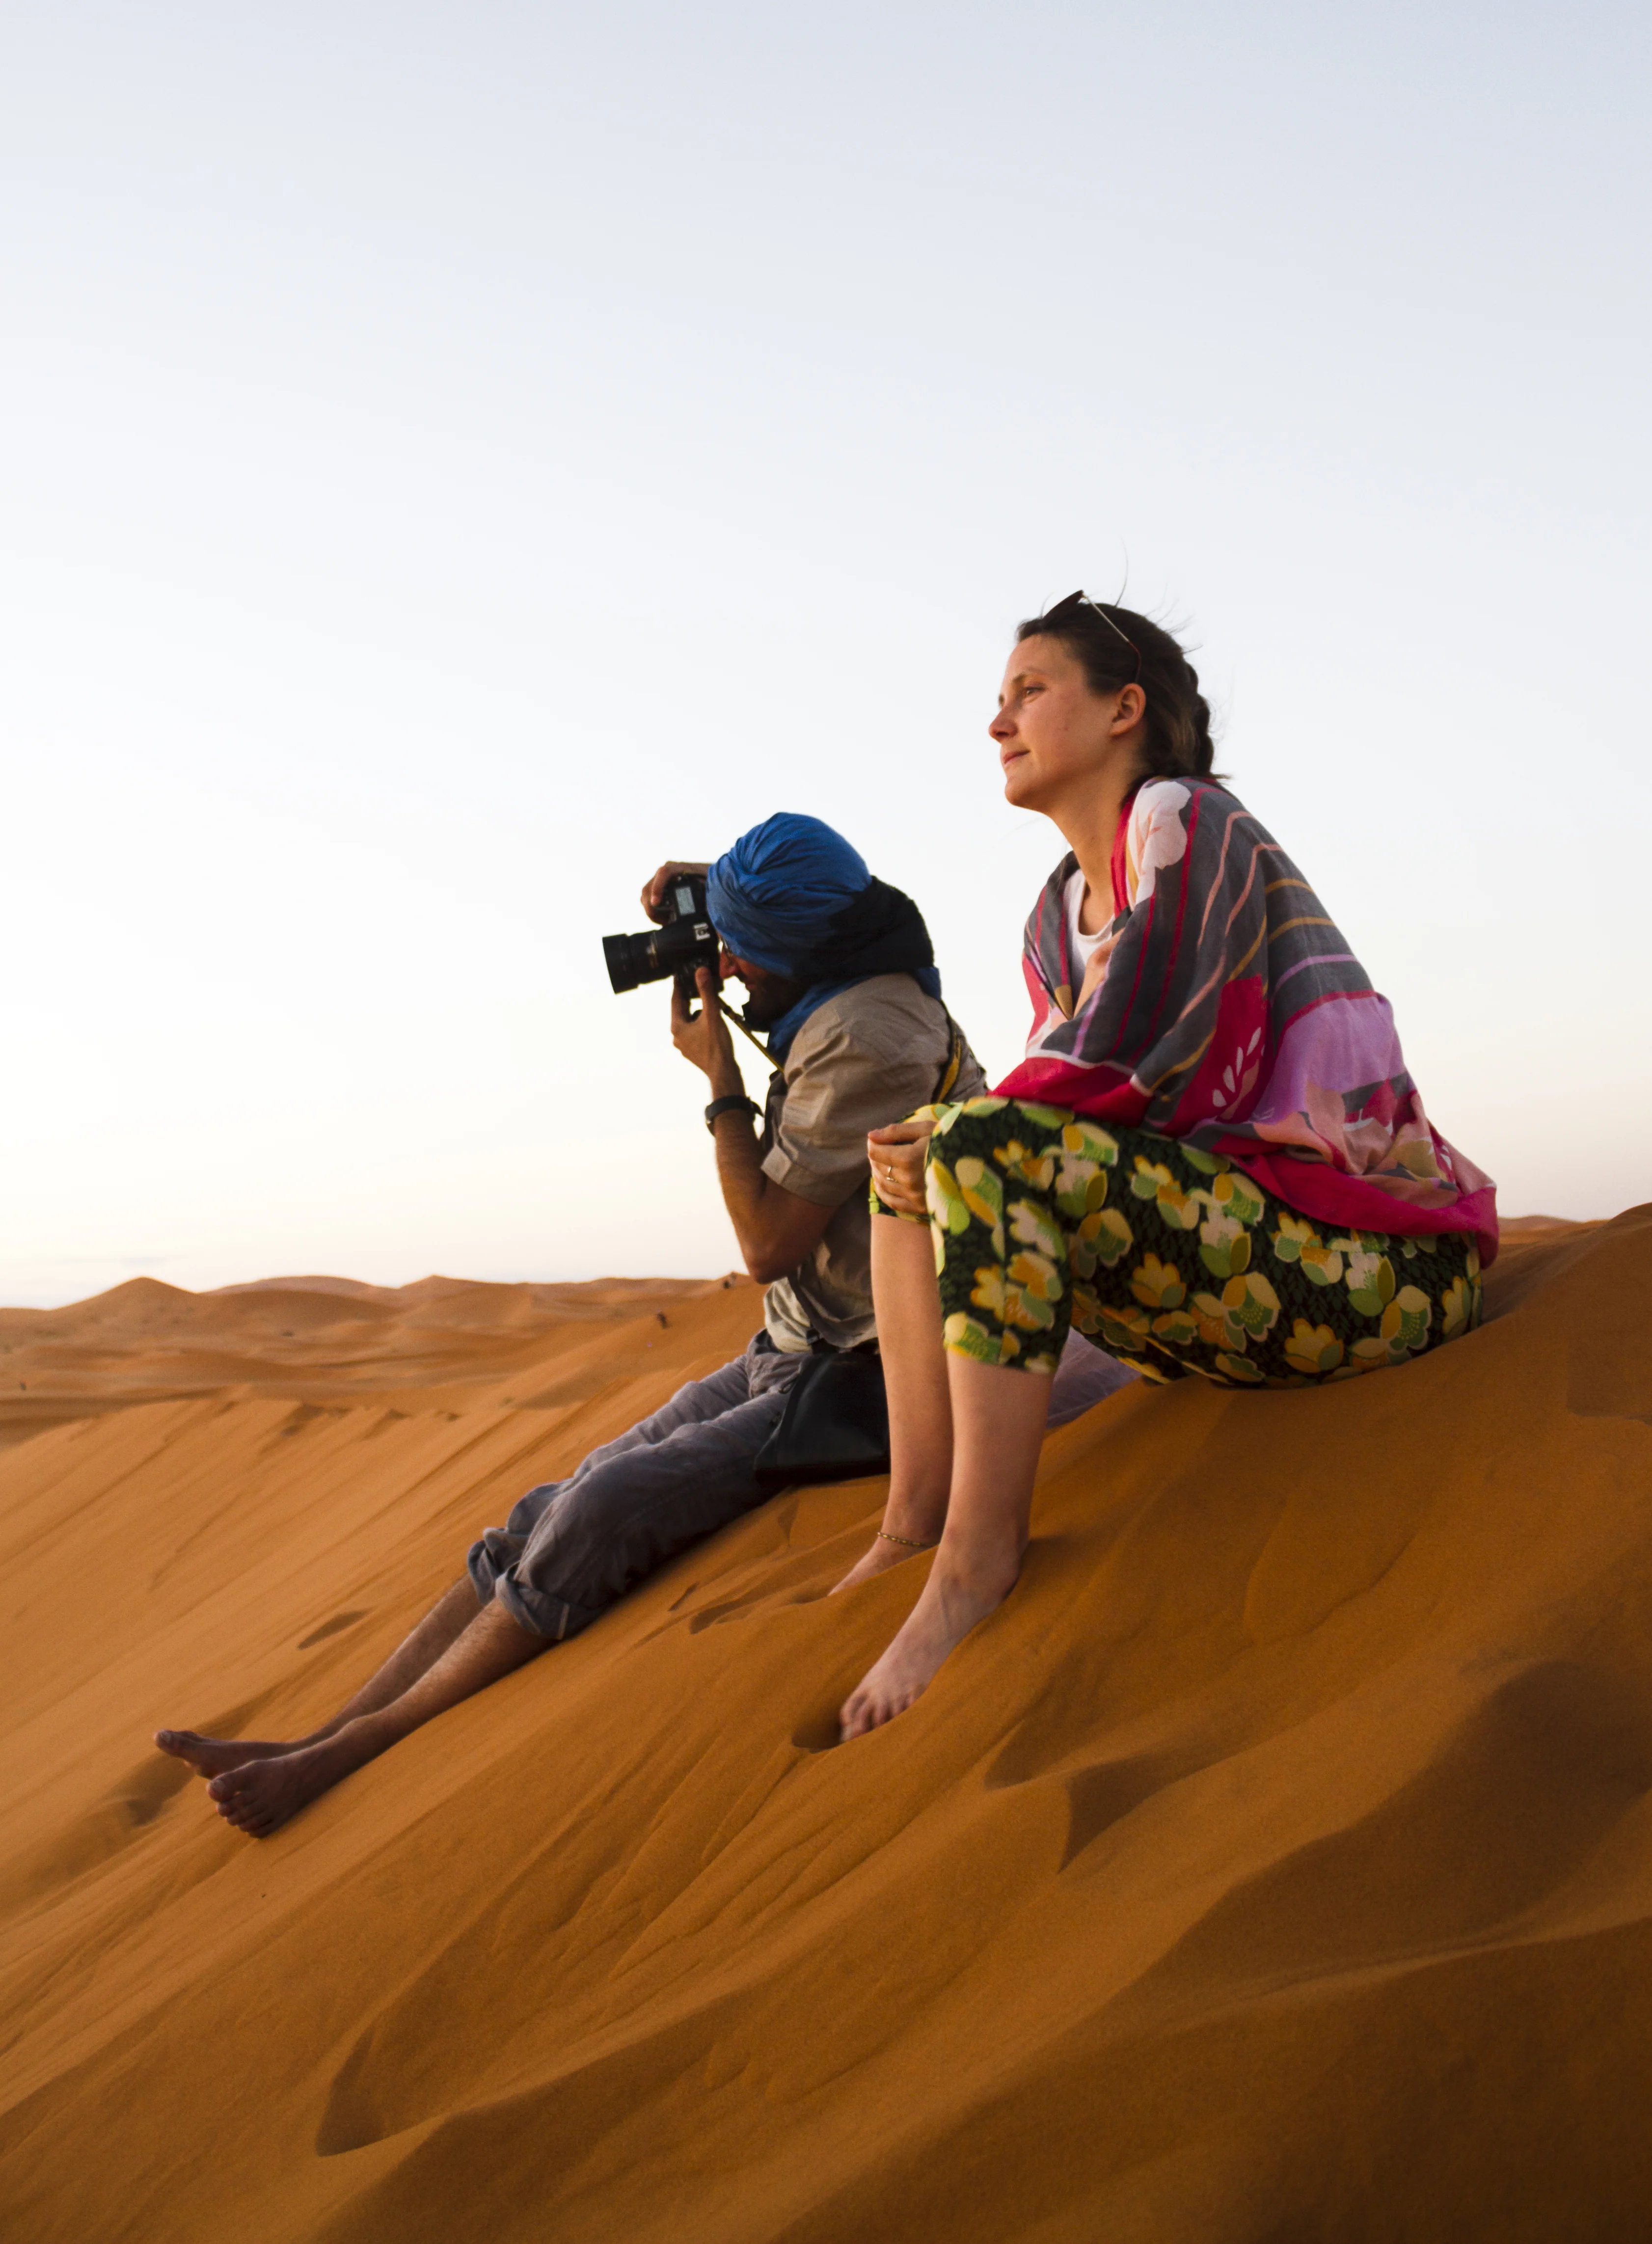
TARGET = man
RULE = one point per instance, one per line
(840, 973)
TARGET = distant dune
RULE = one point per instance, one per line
(314, 1339)
(1275, 1868)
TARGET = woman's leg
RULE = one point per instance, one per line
(1001, 1203)
(1163, 1253)
(998, 1414)
(908, 1301)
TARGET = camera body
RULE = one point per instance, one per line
(684, 944)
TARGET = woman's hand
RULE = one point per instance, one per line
(898, 1152)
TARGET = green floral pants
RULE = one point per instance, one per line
(1168, 1256)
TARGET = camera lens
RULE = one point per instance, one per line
(685, 942)
(627, 959)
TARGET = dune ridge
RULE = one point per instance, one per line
(1276, 1865)
(317, 1339)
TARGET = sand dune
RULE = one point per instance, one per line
(1276, 1867)
(315, 1339)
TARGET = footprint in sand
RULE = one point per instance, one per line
(339, 1622)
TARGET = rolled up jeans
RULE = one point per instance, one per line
(572, 1548)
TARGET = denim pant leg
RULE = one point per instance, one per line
(569, 1549)
(1085, 1376)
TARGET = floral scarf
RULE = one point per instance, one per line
(1231, 1014)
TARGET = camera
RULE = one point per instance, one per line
(680, 947)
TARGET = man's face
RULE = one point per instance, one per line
(769, 995)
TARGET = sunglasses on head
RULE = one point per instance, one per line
(1082, 600)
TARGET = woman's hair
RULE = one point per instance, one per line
(1116, 646)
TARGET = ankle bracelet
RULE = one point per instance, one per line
(906, 1541)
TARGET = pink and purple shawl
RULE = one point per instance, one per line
(1232, 1014)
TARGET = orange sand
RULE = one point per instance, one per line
(1274, 1867)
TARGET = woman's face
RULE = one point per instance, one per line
(1054, 734)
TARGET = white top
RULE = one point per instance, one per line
(1083, 946)
(1155, 838)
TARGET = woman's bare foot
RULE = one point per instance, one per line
(882, 1555)
(213, 1756)
(260, 1795)
(948, 1610)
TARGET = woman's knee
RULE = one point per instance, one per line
(986, 1127)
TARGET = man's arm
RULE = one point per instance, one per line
(775, 1229)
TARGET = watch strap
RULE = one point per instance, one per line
(736, 1099)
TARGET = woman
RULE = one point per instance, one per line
(1212, 1160)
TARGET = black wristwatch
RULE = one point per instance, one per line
(727, 1106)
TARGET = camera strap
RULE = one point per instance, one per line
(953, 1065)
(730, 1014)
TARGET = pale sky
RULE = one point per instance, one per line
(453, 457)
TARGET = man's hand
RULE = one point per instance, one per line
(897, 1153)
(703, 1036)
(654, 888)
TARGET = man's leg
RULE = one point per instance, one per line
(457, 1607)
(419, 1651)
(259, 1795)
(671, 1479)
(635, 1504)
(1086, 1375)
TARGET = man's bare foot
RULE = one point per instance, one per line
(212, 1756)
(260, 1795)
(944, 1614)
(882, 1555)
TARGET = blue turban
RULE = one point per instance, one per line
(794, 896)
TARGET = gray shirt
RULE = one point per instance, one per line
(865, 1058)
